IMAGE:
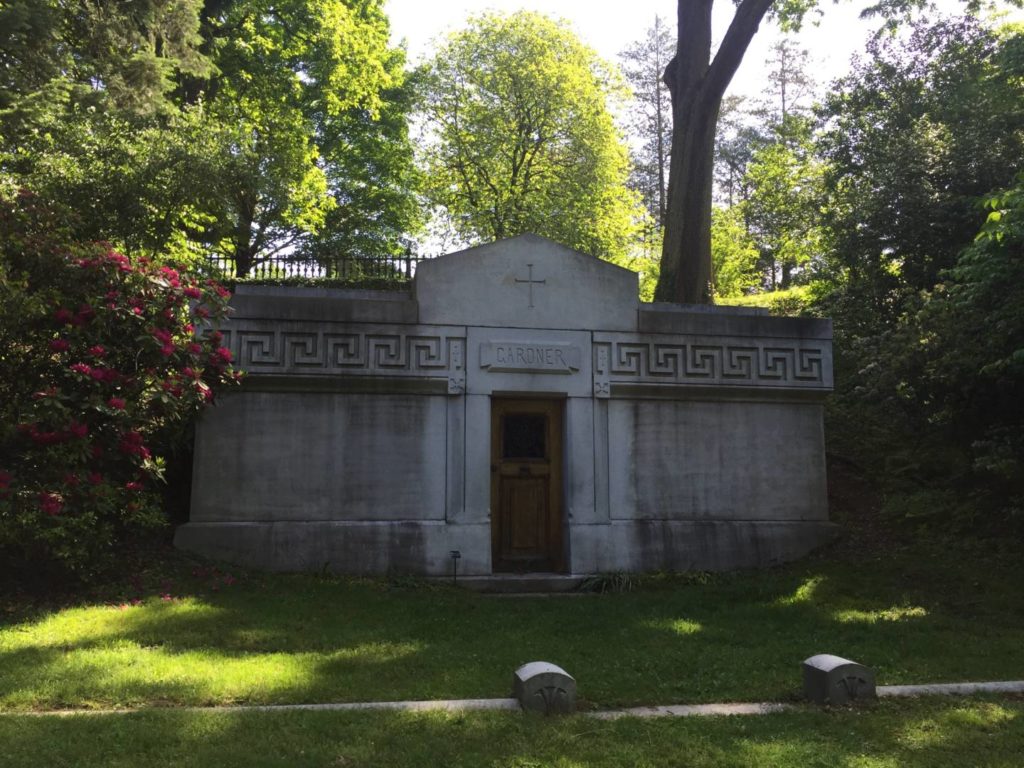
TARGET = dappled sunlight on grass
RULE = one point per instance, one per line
(678, 626)
(805, 593)
(937, 729)
(896, 613)
(77, 627)
(126, 674)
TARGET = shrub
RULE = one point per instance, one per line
(101, 358)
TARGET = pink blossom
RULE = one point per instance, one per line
(194, 348)
(77, 429)
(136, 310)
(97, 351)
(62, 315)
(223, 353)
(71, 479)
(81, 368)
(133, 485)
(117, 403)
(167, 350)
(50, 503)
(192, 292)
(99, 374)
(95, 478)
(161, 335)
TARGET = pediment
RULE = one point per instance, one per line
(526, 282)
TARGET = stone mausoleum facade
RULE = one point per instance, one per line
(520, 406)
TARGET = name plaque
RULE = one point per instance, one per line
(529, 357)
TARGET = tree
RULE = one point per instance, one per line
(783, 207)
(650, 119)
(697, 83)
(788, 80)
(521, 138)
(237, 127)
(918, 135)
(288, 74)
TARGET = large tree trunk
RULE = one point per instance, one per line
(697, 85)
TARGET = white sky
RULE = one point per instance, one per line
(611, 26)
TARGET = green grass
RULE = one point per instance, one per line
(933, 733)
(916, 617)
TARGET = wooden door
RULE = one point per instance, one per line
(526, 485)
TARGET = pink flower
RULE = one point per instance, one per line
(223, 353)
(117, 403)
(71, 479)
(202, 312)
(78, 429)
(59, 345)
(99, 374)
(167, 350)
(192, 292)
(161, 335)
(50, 503)
(223, 292)
(133, 485)
(95, 478)
(194, 348)
(97, 351)
(81, 368)
(62, 315)
(189, 373)
(136, 310)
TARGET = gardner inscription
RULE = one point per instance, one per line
(529, 357)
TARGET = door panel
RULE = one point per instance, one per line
(526, 490)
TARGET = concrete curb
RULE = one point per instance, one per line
(950, 689)
(693, 710)
(512, 705)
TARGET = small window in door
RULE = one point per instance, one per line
(523, 436)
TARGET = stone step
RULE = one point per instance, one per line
(523, 583)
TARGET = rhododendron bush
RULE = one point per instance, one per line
(102, 357)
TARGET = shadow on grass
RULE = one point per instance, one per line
(916, 735)
(305, 639)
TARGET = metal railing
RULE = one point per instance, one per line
(346, 268)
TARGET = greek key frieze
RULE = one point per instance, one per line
(709, 361)
(343, 353)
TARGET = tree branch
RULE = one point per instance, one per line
(734, 45)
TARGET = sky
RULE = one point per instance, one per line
(609, 27)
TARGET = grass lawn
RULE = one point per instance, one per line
(915, 615)
(933, 733)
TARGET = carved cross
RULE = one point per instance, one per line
(530, 282)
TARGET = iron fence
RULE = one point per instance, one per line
(345, 268)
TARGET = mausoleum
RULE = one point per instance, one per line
(521, 406)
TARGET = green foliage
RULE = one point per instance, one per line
(782, 210)
(792, 302)
(242, 128)
(522, 137)
(919, 133)
(100, 363)
(928, 318)
(734, 254)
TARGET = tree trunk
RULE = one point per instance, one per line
(697, 85)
